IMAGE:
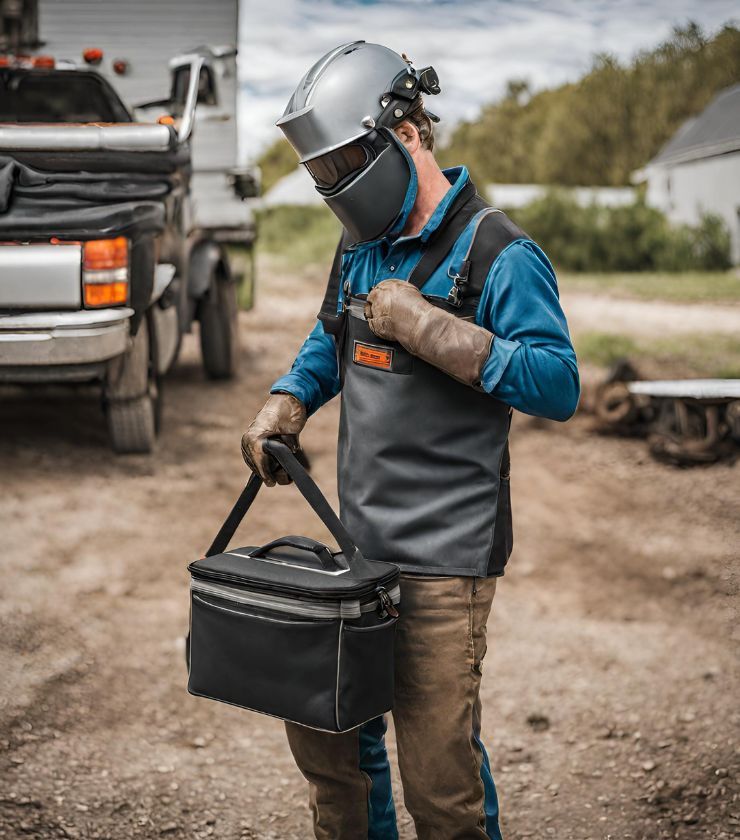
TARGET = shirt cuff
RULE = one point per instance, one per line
(295, 386)
(497, 362)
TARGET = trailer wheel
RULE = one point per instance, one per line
(132, 397)
(219, 328)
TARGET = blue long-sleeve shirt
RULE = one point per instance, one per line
(532, 364)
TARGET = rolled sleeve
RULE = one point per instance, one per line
(497, 362)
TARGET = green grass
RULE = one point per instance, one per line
(693, 354)
(298, 236)
(275, 162)
(688, 287)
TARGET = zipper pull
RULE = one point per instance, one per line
(387, 607)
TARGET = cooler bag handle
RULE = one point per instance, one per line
(324, 556)
(308, 489)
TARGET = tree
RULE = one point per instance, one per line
(603, 127)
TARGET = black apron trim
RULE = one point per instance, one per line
(464, 207)
(328, 315)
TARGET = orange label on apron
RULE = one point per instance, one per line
(371, 355)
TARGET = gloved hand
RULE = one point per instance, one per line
(396, 310)
(282, 415)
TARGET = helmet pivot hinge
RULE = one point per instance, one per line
(398, 113)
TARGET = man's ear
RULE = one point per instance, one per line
(408, 134)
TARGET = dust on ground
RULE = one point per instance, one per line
(612, 314)
(611, 681)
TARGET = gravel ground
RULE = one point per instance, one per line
(610, 685)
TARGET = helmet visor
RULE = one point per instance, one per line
(332, 168)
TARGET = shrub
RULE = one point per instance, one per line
(711, 244)
(634, 237)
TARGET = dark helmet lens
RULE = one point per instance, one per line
(329, 169)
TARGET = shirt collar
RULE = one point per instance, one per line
(457, 176)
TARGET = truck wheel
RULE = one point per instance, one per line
(219, 329)
(132, 397)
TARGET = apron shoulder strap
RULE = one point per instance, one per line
(464, 207)
(494, 232)
(328, 313)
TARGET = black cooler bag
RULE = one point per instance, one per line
(291, 628)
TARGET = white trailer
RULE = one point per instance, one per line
(150, 43)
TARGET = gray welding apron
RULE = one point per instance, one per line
(422, 460)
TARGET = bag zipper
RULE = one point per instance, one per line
(306, 609)
(242, 580)
(387, 606)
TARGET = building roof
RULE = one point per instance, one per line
(716, 131)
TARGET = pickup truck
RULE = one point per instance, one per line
(103, 266)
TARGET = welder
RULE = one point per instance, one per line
(440, 317)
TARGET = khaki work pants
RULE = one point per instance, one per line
(447, 784)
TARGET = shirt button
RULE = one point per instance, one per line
(392, 267)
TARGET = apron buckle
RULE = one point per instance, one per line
(459, 282)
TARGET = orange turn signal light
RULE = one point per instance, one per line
(102, 254)
(105, 271)
(106, 294)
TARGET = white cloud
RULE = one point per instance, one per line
(475, 45)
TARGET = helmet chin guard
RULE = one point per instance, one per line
(378, 200)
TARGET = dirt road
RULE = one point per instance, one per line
(605, 313)
(610, 685)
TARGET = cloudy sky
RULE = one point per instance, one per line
(475, 45)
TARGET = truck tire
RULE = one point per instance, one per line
(219, 329)
(131, 426)
(132, 397)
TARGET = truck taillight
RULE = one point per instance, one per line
(105, 270)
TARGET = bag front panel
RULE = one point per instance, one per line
(267, 663)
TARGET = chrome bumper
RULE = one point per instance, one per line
(63, 338)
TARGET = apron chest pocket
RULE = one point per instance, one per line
(365, 349)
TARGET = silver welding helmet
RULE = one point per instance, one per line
(340, 121)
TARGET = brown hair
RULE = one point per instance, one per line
(419, 118)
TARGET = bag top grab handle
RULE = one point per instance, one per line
(308, 489)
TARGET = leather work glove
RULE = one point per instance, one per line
(281, 416)
(396, 310)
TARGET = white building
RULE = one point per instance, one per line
(698, 170)
(298, 188)
(514, 196)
